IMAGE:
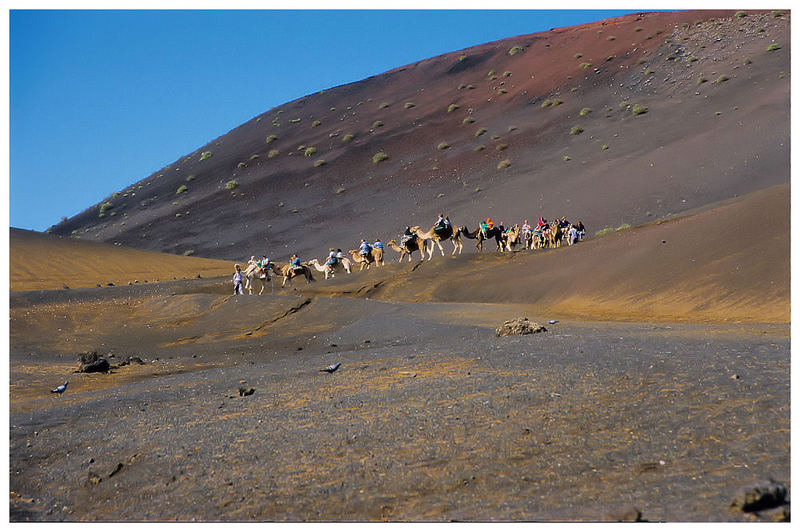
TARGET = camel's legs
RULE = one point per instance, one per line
(440, 247)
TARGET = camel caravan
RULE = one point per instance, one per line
(413, 240)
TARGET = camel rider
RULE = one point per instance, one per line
(408, 236)
(252, 260)
(263, 264)
(486, 227)
(294, 262)
(378, 244)
(364, 249)
(502, 228)
(331, 259)
(526, 228)
(440, 223)
(339, 254)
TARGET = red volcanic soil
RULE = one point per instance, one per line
(716, 126)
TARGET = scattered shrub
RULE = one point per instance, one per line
(691, 59)
(462, 57)
(774, 46)
(384, 105)
(461, 86)
(512, 128)
(316, 123)
(294, 120)
(409, 105)
(378, 157)
(740, 14)
(240, 165)
(188, 252)
(205, 155)
(442, 146)
(624, 104)
(502, 91)
(178, 215)
(477, 189)
(340, 190)
(505, 163)
(567, 158)
(501, 146)
(639, 109)
(578, 56)
(623, 227)
(452, 107)
(722, 78)
(585, 65)
(638, 28)
(507, 73)
(480, 132)
(701, 80)
(491, 73)
(181, 189)
(470, 87)
(776, 14)
(515, 50)
(273, 153)
(495, 137)
(648, 72)
(254, 156)
(585, 111)
(576, 130)
(318, 163)
(604, 231)
(611, 38)
(376, 124)
(479, 147)
(468, 120)
(232, 184)
(311, 150)
(189, 178)
(347, 138)
(604, 147)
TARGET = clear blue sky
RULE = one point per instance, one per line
(101, 99)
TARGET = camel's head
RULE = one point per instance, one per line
(414, 229)
(392, 242)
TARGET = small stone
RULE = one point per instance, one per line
(519, 326)
(623, 514)
(552, 322)
(760, 496)
(735, 376)
(243, 392)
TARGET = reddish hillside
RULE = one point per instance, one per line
(301, 177)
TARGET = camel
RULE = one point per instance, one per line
(376, 256)
(253, 271)
(409, 247)
(478, 235)
(341, 264)
(288, 273)
(513, 237)
(437, 238)
(554, 235)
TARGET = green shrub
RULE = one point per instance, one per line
(624, 104)
(740, 14)
(604, 147)
(501, 91)
(310, 151)
(232, 184)
(495, 137)
(547, 103)
(273, 153)
(462, 57)
(181, 189)
(104, 207)
(205, 155)
(722, 78)
(378, 157)
(384, 105)
(318, 163)
(576, 130)
(340, 190)
(254, 156)
(701, 80)
(347, 138)
(442, 146)
(774, 46)
(623, 227)
(638, 28)
(578, 56)
(479, 147)
(585, 65)
(189, 178)
(604, 231)
(639, 109)
(611, 38)
(505, 163)
(507, 73)
(316, 123)
(512, 128)
(648, 72)
(567, 158)
(188, 252)
(691, 59)
(585, 111)
(240, 165)
(491, 73)
(480, 132)
(776, 14)
(376, 124)
(470, 86)
(409, 105)
(501, 146)
(515, 50)
(452, 107)
(294, 120)
(468, 120)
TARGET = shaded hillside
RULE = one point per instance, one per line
(621, 121)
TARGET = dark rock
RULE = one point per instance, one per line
(758, 496)
(116, 470)
(519, 326)
(92, 363)
(781, 514)
(132, 360)
(623, 514)
(246, 391)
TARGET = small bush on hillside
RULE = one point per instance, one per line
(205, 155)
(384, 105)
(479, 147)
(240, 165)
(462, 57)
(585, 111)
(442, 146)
(740, 14)
(611, 38)
(189, 178)
(505, 163)
(501, 146)
(495, 137)
(585, 65)
(638, 28)
(491, 73)
(378, 157)
(181, 189)
(254, 156)
(294, 120)
(340, 190)
(776, 14)
(104, 207)
(480, 132)
(648, 72)
(722, 78)
(501, 91)
(461, 86)
(701, 80)
(623, 227)
(188, 253)
(774, 46)
(347, 138)
(452, 107)
(468, 120)
(507, 73)
(515, 50)
(512, 128)
(624, 104)
(639, 109)
(376, 124)
(470, 87)
(604, 147)
(578, 56)
(316, 123)
(604, 231)
(567, 158)
(318, 163)
(409, 105)
(273, 153)
(232, 184)
(691, 59)
(310, 151)
(576, 130)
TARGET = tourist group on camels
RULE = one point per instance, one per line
(543, 235)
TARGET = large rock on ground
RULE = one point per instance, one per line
(519, 326)
(92, 363)
(760, 496)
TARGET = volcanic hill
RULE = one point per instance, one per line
(622, 121)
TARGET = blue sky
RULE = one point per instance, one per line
(101, 99)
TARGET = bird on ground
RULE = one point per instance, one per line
(332, 367)
(61, 388)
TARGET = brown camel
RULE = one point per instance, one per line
(448, 233)
(288, 273)
(408, 248)
(341, 264)
(478, 235)
(262, 274)
(513, 237)
(376, 256)
(554, 235)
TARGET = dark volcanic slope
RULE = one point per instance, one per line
(716, 126)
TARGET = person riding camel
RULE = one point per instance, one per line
(331, 259)
(378, 244)
(439, 223)
(364, 248)
(486, 227)
(263, 265)
(294, 262)
(408, 236)
(339, 254)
